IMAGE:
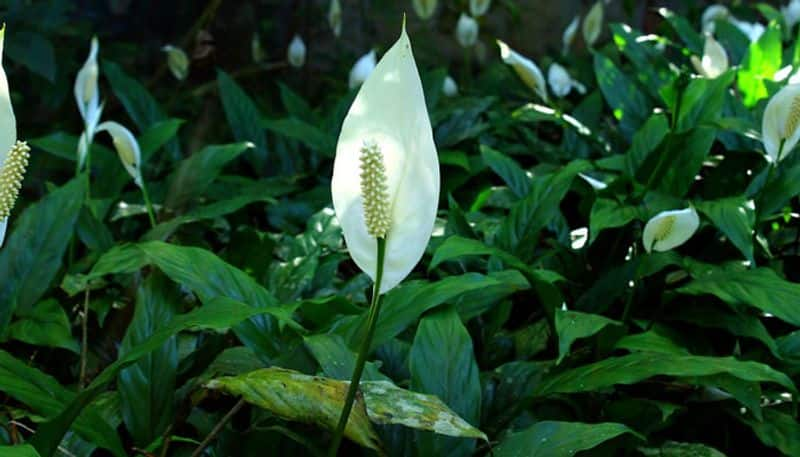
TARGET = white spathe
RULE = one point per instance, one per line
(526, 69)
(670, 229)
(791, 13)
(361, 70)
(466, 31)
(569, 33)
(335, 17)
(753, 30)
(478, 8)
(449, 87)
(8, 123)
(390, 111)
(561, 83)
(87, 96)
(781, 123)
(714, 61)
(296, 53)
(711, 15)
(177, 61)
(127, 149)
(593, 24)
(424, 8)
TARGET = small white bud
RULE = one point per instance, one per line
(466, 31)
(177, 61)
(296, 54)
(362, 69)
(449, 87)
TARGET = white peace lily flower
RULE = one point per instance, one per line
(386, 171)
(466, 31)
(362, 69)
(449, 87)
(13, 154)
(593, 24)
(177, 62)
(479, 7)
(570, 32)
(753, 30)
(296, 54)
(87, 96)
(127, 148)
(714, 61)
(529, 72)
(335, 17)
(561, 83)
(791, 13)
(424, 8)
(670, 229)
(780, 127)
(711, 15)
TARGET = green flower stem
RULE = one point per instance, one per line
(149, 205)
(372, 320)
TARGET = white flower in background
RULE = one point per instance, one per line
(714, 61)
(424, 8)
(466, 31)
(593, 24)
(362, 69)
(127, 149)
(670, 229)
(711, 15)
(570, 32)
(177, 61)
(296, 54)
(478, 8)
(256, 51)
(528, 72)
(335, 17)
(753, 30)
(595, 183)
(780, 125)
(386, 171)
(561, 83)
(791, 13)
(87, 96)
(449, 87)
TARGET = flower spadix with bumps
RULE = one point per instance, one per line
(670, 229)
(386, 172)
(13, 154)
(780, 126)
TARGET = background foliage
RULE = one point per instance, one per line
(535, 315)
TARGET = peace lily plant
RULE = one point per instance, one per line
(13, 153)
(780, 128)
(714, 61)
(385, 184)
(670, 229)
(526, 69)
(87, 96)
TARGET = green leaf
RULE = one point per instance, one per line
(675, 449)
(702, 101)
(531, 214)
(46, 397)
(157, 135)
(557, 439)
(45, 324)
(23, 450)
(34, 51)
(195, 173)
(507, 168)
(639, 366)
(216, 314)
(762, 60)
(629, 105)
(308, 134)
(685, 30)
(735, 217)
(760, 288)
(681, 160)
(658, 339)
(645, 141)
(573, 325)
(32, 255)
(442, 363)
(653, 68)
(778, 430)
(337, 360)
(244, 119)
(607, 213)
(147, 387)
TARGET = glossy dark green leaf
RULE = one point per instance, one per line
(573, 325)
(34, 51)
(557, 439)
(32, 254)
(702, 101)
(681, 160)
(244, 119)
(607, 213)
(23, 450)
(507, 168)
(760, 288)
(685, 30)
(337, 360)
(778, 430)
(629, 105)
(645, 141)
(653, 68)
(638, 366)
(45, 324)
(676, 449)
(195, 173)
(443, 364)
(308, 134)
(735, 217)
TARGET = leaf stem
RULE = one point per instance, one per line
(84, 337)
(218, 428)
(149, 205)
(372, 320)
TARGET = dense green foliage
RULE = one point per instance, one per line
(536, 324)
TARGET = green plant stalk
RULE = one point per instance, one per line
(372, 320)
(149, 205)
